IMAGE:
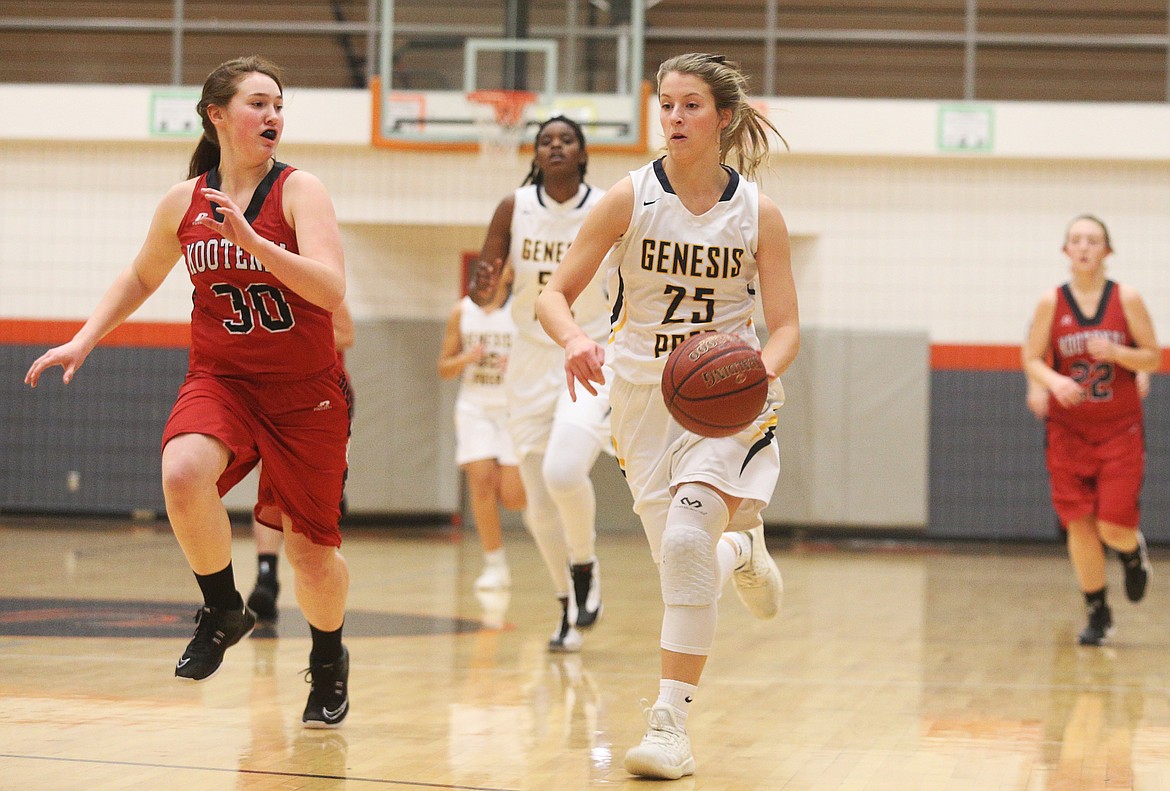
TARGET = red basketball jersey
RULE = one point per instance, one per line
(244, 321)
(1110, 389)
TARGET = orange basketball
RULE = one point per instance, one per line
(714, 384)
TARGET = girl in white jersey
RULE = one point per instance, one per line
(476, 346)
(687, 240)
(557, 438)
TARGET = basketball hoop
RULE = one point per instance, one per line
(500, 120)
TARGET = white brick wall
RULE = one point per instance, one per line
(892, 236)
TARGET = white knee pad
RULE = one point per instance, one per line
(688, 572)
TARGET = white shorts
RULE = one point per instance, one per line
(538, 397)
(482, 433)
(657, 454)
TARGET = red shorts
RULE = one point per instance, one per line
(299, 429)
(1097, 477)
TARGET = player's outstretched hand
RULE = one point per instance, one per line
(69, 356)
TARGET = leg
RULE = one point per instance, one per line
(543, 522)
(268, 541)
(262, 599)
(1130, 545)
(691, 576)
(757, 578)
(1118, 509)
(566, 472)
(322, 585)
(483, 483)
(512, 488)
(321, 580)
(191, 466)
(567, 476)
(1087, 554)
(1088, 559)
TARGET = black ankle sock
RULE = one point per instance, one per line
(1128, 557)
(219, 589)
(326, 645)
(1095, 598)
(266, 562)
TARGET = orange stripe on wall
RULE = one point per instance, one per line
(974, 358)
(970, 357)
(171, 335)
(45, 332)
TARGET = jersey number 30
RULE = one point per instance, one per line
(261, 303)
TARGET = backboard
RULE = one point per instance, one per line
(581, 58)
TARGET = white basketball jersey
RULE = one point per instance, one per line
(674, 274)
(542, 231)
(483, 382)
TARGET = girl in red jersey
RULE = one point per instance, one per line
(1088, 341)
(261, 244)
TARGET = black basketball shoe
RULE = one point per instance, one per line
(262, 599)
(1099, 628)
(216, 630)
(1137, 570)
(329, 694)
(587, 592)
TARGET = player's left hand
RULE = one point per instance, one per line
(234, 227)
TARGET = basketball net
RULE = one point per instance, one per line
(501, 121)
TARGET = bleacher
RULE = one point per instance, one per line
(1046, 50)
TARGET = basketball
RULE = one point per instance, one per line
(714, 384)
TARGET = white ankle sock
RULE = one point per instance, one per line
(678, 695)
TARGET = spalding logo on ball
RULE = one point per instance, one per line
(714, 384)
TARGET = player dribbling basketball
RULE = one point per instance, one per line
(688, 489)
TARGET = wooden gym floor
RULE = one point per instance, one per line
(892, 667)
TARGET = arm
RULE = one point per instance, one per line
(1066, 391)
(485, 274)
(159, 253)
(343, 334)
(1036, 398)
(603, 226)
(1144, 357)
(452, 358)
(777, 290)
(317, 272)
